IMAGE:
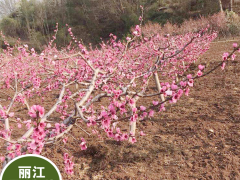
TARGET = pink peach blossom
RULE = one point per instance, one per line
(201, 67)
(142, 108)
(36, 110)
(142, 133)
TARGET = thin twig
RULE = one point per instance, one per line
(83, 129)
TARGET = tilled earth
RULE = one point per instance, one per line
(197, 138)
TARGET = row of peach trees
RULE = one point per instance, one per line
(117, 72)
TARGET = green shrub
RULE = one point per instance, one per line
(233, 21)
(9, 26)
(63, 37)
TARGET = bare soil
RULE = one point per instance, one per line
(198, 138)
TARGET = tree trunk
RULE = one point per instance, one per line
(231, 5)
(220, 5)
(157, 82)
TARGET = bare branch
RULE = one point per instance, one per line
(30, 131)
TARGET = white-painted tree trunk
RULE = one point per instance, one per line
(157, 82)
(220, 5)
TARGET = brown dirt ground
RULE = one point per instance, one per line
(196, 139)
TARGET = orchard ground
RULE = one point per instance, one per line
(196, 138)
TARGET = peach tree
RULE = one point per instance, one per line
(100, 86)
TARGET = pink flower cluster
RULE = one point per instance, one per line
(201, 68)
(68, 164)
(38, 136)
(83, 144)
(137, 31)
(118, 135)
(36, 111)
(226, 55)
(15, 150)
(58, 129)
(4, 115)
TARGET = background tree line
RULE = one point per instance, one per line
(34, 21)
